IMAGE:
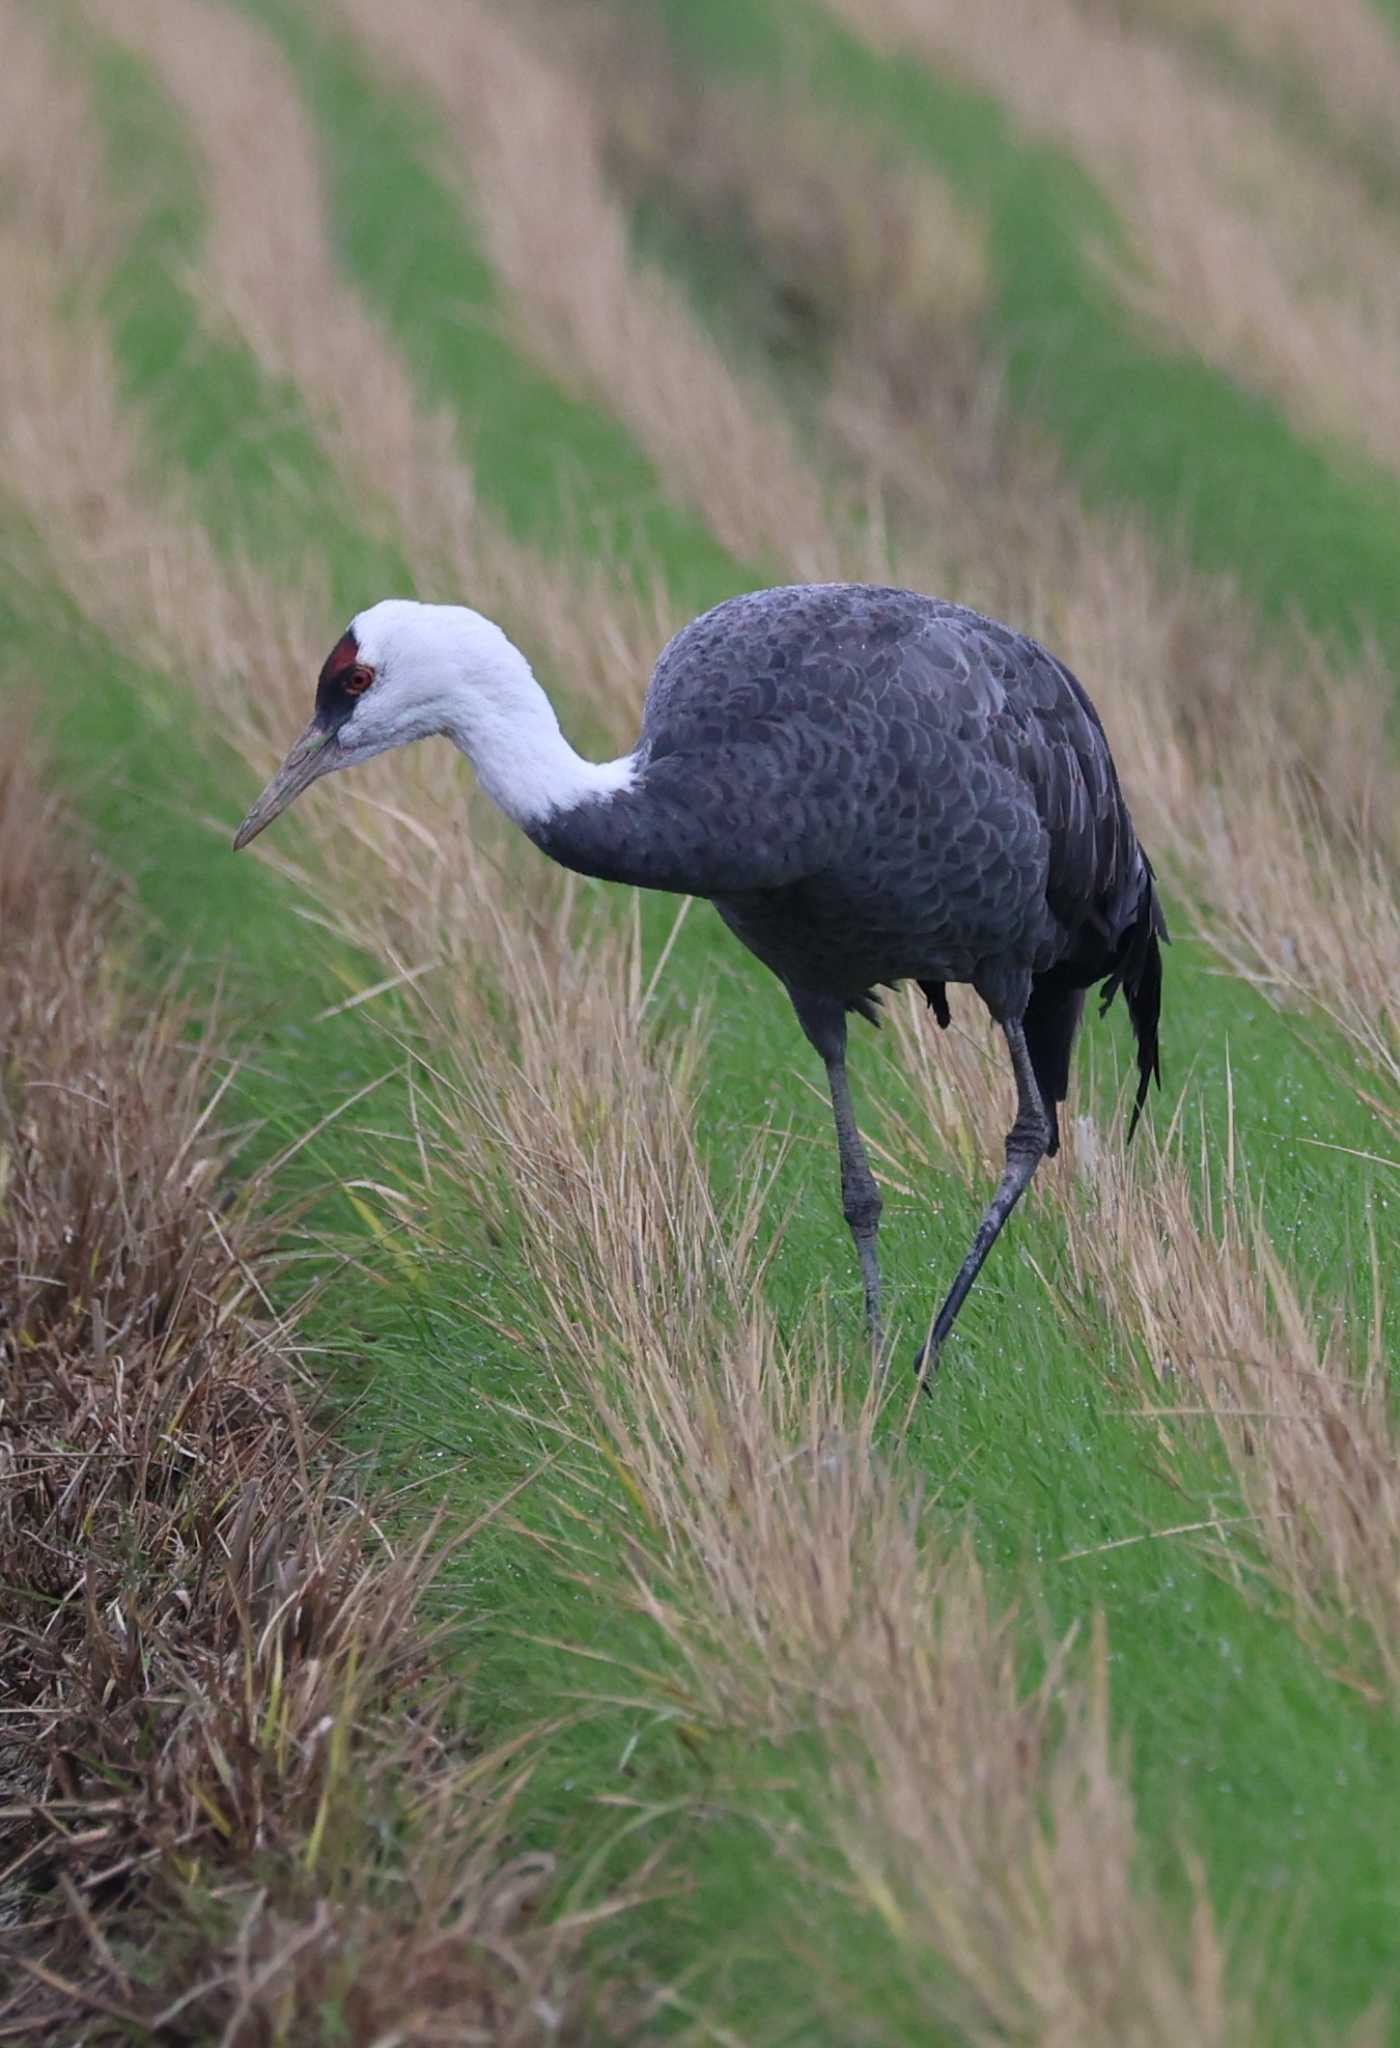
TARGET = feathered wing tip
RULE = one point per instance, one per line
(1139, 974)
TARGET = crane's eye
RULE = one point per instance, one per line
(359, 679)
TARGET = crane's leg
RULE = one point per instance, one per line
(824, 1022)
(1026, 1144)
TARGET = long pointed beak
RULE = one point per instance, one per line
(314, 754)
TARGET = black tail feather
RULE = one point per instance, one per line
(936, 994)
(1144, 998)
(1139, 975)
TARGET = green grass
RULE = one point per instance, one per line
(1241, 1746)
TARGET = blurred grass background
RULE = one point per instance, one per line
(941, 349)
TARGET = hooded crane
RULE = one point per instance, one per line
(869, 785)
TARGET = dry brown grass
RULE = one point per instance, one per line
(852, 240)
(1345, 51)
(518, 118)
(1260, 256)
(1345, 961)
(847, 239)
(268, 270)
(556, 237)
(287, 1950)
(1024, 1869)
(220, 1703)
(1298, 1397)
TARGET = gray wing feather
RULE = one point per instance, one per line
(874, 784)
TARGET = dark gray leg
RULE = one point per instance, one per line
(1026, 1143)
(824, 1022)
(861, 1202)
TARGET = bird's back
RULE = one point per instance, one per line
(944, 779)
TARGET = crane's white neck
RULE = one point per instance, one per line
(446, 669)
(511, 736)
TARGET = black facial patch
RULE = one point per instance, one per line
(336, 690)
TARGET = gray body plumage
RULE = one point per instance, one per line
(876, 786)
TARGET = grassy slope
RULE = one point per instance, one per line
(1038, 1450)
(1045, 1470)
(1249, 1742)
(1252, 1730)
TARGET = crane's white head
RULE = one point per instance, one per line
(404, 671)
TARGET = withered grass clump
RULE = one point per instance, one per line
(220, 1708)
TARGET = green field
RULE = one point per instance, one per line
(703, 1767)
